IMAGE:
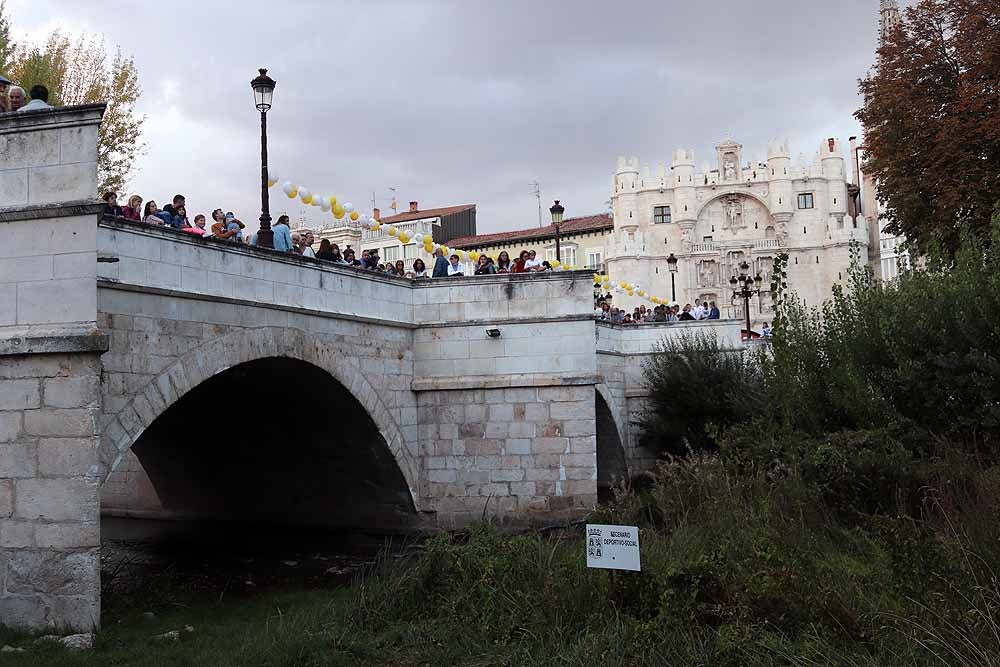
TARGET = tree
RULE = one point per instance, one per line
(6, 45)
(932, 123)
(79, 72)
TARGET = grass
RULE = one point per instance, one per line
(737, 570)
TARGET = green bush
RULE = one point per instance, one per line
(698, 387)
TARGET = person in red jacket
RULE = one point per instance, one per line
(520, 262)
(134, 209)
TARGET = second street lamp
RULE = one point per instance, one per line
(263, 91)
(672, 265)
(557, 217)
(745, 287)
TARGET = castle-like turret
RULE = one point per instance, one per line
(833, 170)
(626, 190)
(779, 166)
(682, 169)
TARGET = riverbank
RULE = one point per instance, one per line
(738, 570)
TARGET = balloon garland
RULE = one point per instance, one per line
(340, 210)
(624, 287)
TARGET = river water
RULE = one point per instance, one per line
(142, 558)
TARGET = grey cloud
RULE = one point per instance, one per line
(469, 101)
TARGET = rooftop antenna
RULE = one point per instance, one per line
(537, 191)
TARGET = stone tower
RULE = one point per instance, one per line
(888, 19)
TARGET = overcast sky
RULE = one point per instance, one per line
(468, 101)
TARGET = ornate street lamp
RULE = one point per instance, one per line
(557, 217)
(745, 287)
(263, 90)
(672, 265)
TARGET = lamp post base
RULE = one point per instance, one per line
(265, 238)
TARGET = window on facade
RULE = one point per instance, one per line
(595, 260)
(568, 255)
(661, 214)
(390, 253)
(806, 200)
(410, 251)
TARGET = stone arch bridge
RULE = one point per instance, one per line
(145, 371)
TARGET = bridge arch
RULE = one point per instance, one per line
(250, 350)
(612, 463)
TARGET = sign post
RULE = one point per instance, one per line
(613, 547)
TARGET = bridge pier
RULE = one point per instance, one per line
(49, 370)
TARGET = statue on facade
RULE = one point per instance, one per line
(730, 170)
(734, 213)
(706, 274)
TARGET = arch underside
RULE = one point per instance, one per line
(274, 439)
(612, 467)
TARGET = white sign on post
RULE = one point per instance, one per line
(613, 547)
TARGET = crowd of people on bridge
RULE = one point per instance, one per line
(670, 312)
(226, 226)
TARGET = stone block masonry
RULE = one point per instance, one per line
(520, 453)
(49, 523)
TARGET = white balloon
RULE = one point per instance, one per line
(348, 207)
(272, 175)
(372, 222)
(287, 187)
(324, 203)
(418, 238)
(366, 223)
(303, 193)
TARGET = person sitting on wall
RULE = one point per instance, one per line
(532, 264)
(419, 269)
(686, 315)
(175, 214)
(349, 258)
(440, 264)
(39, 99)
(520, 262)
(134, 209)
(307, 244)
(151, 214)
(198, 229)
(325, 250)
(16, 98)
(484, 267)
(503, 262)
(282, 234)
(111, 206)
(713, 312)
(454, 267)
(234, 227)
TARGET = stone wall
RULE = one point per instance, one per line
(49, 370)
(525, 452)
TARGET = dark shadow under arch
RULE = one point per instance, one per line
(276, 440)
(611, 466)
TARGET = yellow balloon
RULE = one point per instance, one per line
(333, 201)
(444, 249)
(630, 293)
(376, 227)
(404, 237)
(354, 215)
(391, 230)
(338, 213)
(641, 293)
(307, 199)
(474, 256)
(271, 183)
(556, 264)
(293, 194)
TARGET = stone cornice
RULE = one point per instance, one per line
(505, 381)
(40, 211)
(41, 340)
(48, 119)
